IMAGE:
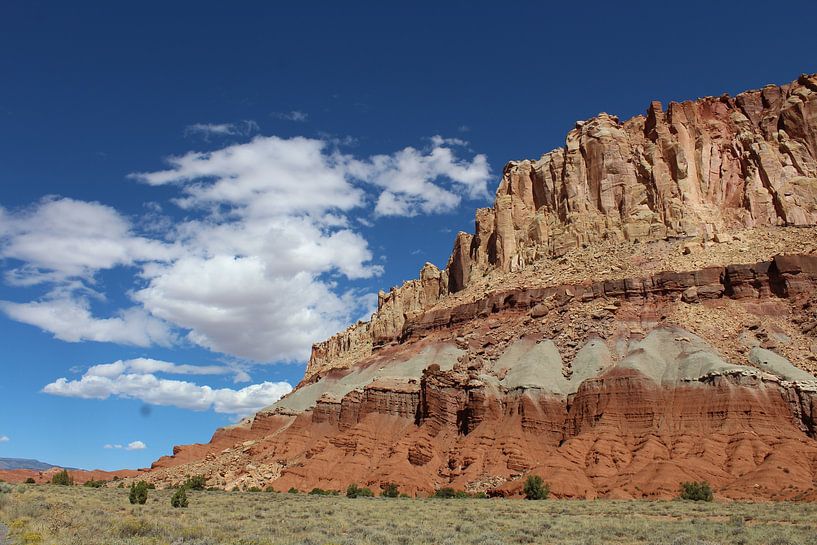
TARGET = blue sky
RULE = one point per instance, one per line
(192, 193)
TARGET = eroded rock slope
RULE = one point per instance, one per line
(637, 309)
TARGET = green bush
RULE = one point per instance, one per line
(321, 492)
(389, 490)
(696, 491)
(179, 498)
(62, 478)
(292, 490)
(354, 491)
(196, 482)
(535, 488)
(94, 484)
(138, 493)
(448, 493)
(30, 480)
(253, 489)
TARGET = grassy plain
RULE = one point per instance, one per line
(62, 515)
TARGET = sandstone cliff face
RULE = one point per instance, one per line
(699, 168)
(628, 407)
(637, 309)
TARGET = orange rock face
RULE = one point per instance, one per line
(695, 170)
(636, 310)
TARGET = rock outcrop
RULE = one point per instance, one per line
(637, 309)
(700, 168)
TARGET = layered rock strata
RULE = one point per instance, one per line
(700, 168)
(637, 309)
(635, 407)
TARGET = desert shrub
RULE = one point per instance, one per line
(292, 490)
(389, 490)
(448, 493)
(269, 489)
(138, 493)
(696, 491)
(62, 478)
(196, 482)
(535, 488)
(94, 484)
(30, 480)
(354, 491)
(136, 527)
(31, 538)
(253, 489)
(5, 488)
(179, 498)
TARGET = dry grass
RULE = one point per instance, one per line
(81, 516)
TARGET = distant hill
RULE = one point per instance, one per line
(22, 463)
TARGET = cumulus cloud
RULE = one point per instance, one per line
(135, 379)
(61, 238)
(148, 365)
(268, 176)
(411, 179)
(4, 439)
(235, 306)
(70, 319)
(256, 269)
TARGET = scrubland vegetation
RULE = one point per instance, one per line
(78, 515)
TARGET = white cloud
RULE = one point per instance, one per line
(266, 177)
(238, 306)
(438, 141)
(206, 130)
(133, 445)
(70, 319)
(4, 439)
(60, 238)
(293, 115)
(104, 381)
(146, 366)
(257, 267)
(411, 179)
(136, 445)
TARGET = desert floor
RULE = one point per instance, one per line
(45, 514)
